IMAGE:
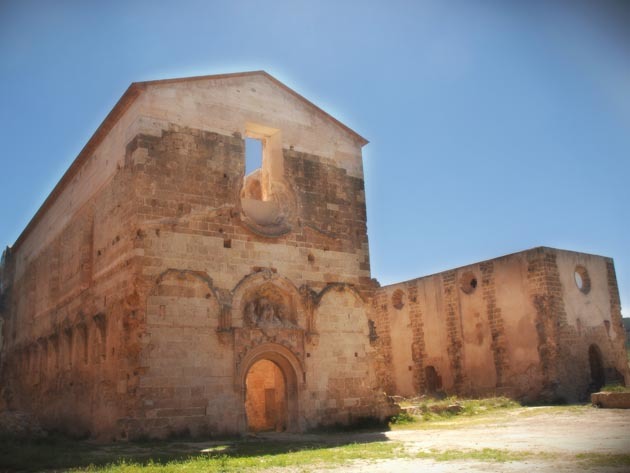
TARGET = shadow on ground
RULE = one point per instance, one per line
(59, 453)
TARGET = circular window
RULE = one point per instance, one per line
(468, 282)
(398, 299)
(582, 279)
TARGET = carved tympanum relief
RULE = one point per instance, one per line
(269, 307)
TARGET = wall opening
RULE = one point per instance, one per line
(432, 379)
(598, 378)
(468, 282)
(266, 397)
(398, 299)
(253, 180)
(582, 279)
(267, 202)
(253, 155)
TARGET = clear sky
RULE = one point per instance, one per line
(494, 126)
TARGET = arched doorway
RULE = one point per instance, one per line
(598, 378)
(265, 397)
(270, 377)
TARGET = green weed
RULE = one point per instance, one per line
(403, 418)
(615, 388)
(486, 455)
(603, 459)
(427, 410)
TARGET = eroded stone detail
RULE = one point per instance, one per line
(262, 312)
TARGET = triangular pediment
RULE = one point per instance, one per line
(255, 75)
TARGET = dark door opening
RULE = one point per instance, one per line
(432, 379)
(598, 377)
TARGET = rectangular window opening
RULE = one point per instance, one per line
(253, 155)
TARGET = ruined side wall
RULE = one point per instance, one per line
(69, 311)
(524, 330)
(593, 318)
(435, 328)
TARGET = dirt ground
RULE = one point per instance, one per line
(513, 440)
(563, 440)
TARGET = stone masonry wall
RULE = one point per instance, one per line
(69, 320)
(191, 235)
(591, 321)
(515, 325)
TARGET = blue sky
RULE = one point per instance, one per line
(494, 126)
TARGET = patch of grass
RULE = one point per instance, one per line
(603, 459)
(427, 410)
(403, 418)
(486, 455)
(257, 456)
(615, 388)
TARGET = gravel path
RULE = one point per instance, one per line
(550, 439)
(585, 431)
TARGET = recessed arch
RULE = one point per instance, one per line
(199, 278)
(340, 287)
(337, 298)
(175, 288)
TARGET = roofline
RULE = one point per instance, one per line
(130, 95)
(359, 138)
(496, 258)
(123, 104)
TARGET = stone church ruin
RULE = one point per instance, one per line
(163, 289)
